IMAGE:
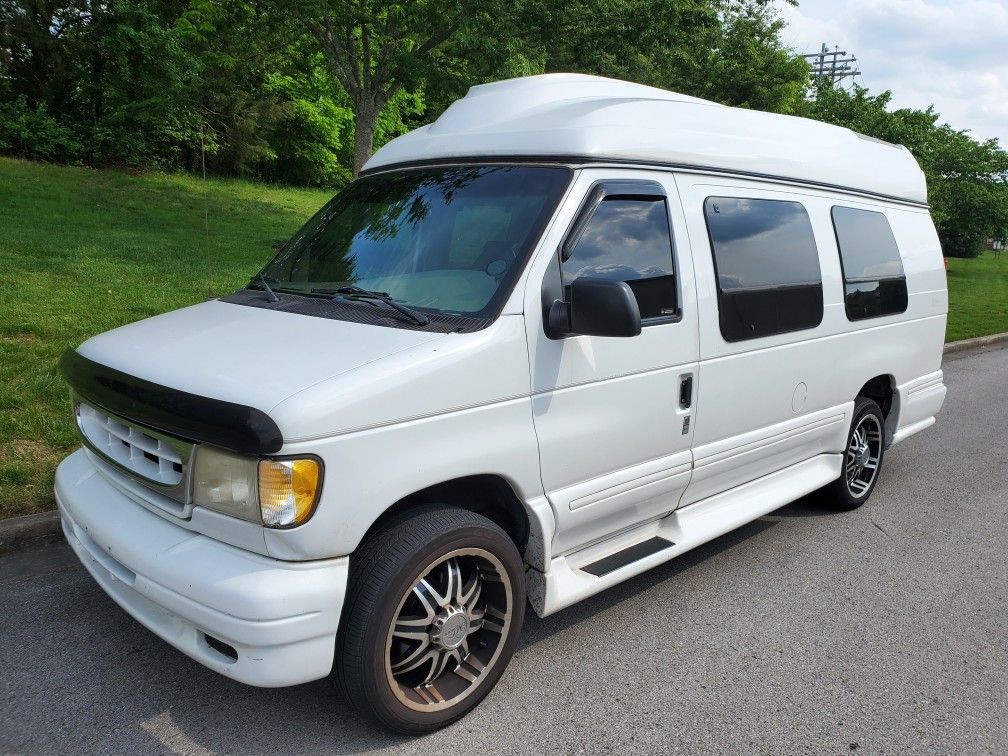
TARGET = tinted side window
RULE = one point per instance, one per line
(629, 240)
(767, 266)
(874, 281)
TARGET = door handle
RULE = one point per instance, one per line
(686, 392)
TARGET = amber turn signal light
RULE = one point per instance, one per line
(288, 490)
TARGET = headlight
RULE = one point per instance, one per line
(225, 483)
(279, 493)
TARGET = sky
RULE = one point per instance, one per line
(952, 53)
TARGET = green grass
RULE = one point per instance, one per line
(978, 296)
(82, 251)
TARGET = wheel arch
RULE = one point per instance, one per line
(882, 390)
(488, 494)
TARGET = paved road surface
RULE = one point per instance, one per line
(878, 631)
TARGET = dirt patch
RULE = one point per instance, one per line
(27, 467)
(23, 338)
(25, 450)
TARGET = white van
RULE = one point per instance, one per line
(567, 332)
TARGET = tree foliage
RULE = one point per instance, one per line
(378, 51)
(106, 80)
(728, 51)
(302, 91)
(967, 179)
(228, 84)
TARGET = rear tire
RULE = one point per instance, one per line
(435, 605)
(862, 459)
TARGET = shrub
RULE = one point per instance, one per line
(33, 133)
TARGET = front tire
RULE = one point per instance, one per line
(435, 606)
(862, 458)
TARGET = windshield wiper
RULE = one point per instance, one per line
(261, 280)
(356, 292)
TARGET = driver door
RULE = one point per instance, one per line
(614, 415)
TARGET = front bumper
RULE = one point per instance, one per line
(280, 617)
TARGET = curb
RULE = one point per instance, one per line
(39, 530)
(979, 342)
(32, 531)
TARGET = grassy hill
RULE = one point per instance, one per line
(82, 251)
(978, 296)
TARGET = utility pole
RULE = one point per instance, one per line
(832, 64)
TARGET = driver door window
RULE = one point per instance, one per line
(628, 239)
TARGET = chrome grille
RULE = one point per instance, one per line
(147, 455)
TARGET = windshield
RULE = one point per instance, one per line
(451, 239)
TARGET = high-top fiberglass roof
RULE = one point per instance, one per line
(572, 116)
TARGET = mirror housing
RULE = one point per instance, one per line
(597, 307)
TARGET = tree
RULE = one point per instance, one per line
(728, 51)
(304, 91)
(40, 49)
(39, 53)
(100, 82)
(745, 64)
(967, 179)
(377, 50)
(134, 92)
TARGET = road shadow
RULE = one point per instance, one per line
(144, 696)
(810, 505)
(538, 629)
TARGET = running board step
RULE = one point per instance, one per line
(573, 577)
(629, 555)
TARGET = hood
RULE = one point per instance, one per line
(245, 355)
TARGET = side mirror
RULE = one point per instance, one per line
(597, 307)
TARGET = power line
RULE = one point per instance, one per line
(832, 64)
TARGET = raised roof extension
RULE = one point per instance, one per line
(572, 116)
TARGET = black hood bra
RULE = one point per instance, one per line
(237, 427)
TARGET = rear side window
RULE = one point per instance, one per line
(767, 266)
(874, 282)
(628, 239)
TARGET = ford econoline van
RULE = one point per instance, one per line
(570, 330)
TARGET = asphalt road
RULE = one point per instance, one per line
(883, 630)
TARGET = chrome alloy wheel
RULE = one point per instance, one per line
(449, 629)
(863, 454)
